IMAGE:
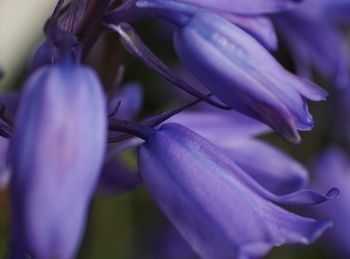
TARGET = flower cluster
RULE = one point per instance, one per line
(219, 185)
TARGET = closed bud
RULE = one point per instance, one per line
(56, 156)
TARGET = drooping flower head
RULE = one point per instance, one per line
(333, 168)
(206, 195)
(244, 75)
(230, 62)
(222, 205)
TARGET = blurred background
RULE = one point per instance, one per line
(130, 225)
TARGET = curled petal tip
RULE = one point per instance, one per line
(333, 193)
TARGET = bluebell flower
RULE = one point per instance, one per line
(333, 168)
(242, 74)
(315, 40)
(56, 155)
(217, 208)
(201, 174)
(131, 100)
(224, 58)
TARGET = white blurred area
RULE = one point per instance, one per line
(21, 24)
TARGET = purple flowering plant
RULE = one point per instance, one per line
(225, 192)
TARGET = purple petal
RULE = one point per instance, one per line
(10, 100)
(220, 127)
(56, 156)
(231, 132)
(42, 55)
(247, 6)
(224, 58)
(116, 177)
(302, 34)
(205, 196)
(131, 101)
(259, 27)
(332, 168)
(272, 168)
(334, 11)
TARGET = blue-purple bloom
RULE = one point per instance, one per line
(206, 196)
(56, 156)
(242, 74)
(332, 168)
(217, 183)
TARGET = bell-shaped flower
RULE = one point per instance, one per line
(333, 168)
(244, 75)
(56, 155)
(218, 208)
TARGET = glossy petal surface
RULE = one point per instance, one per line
(206, 196)
(241, 73)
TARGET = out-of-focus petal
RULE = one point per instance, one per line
(315, 43)
(116, 178)
(130, 98)
(270, 167)
(10, 100)
(332, 11)
(207, 198)
(169, 244)
(42, 55)
(333, 168)
(56, 156)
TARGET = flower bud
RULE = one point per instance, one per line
(56, 155)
